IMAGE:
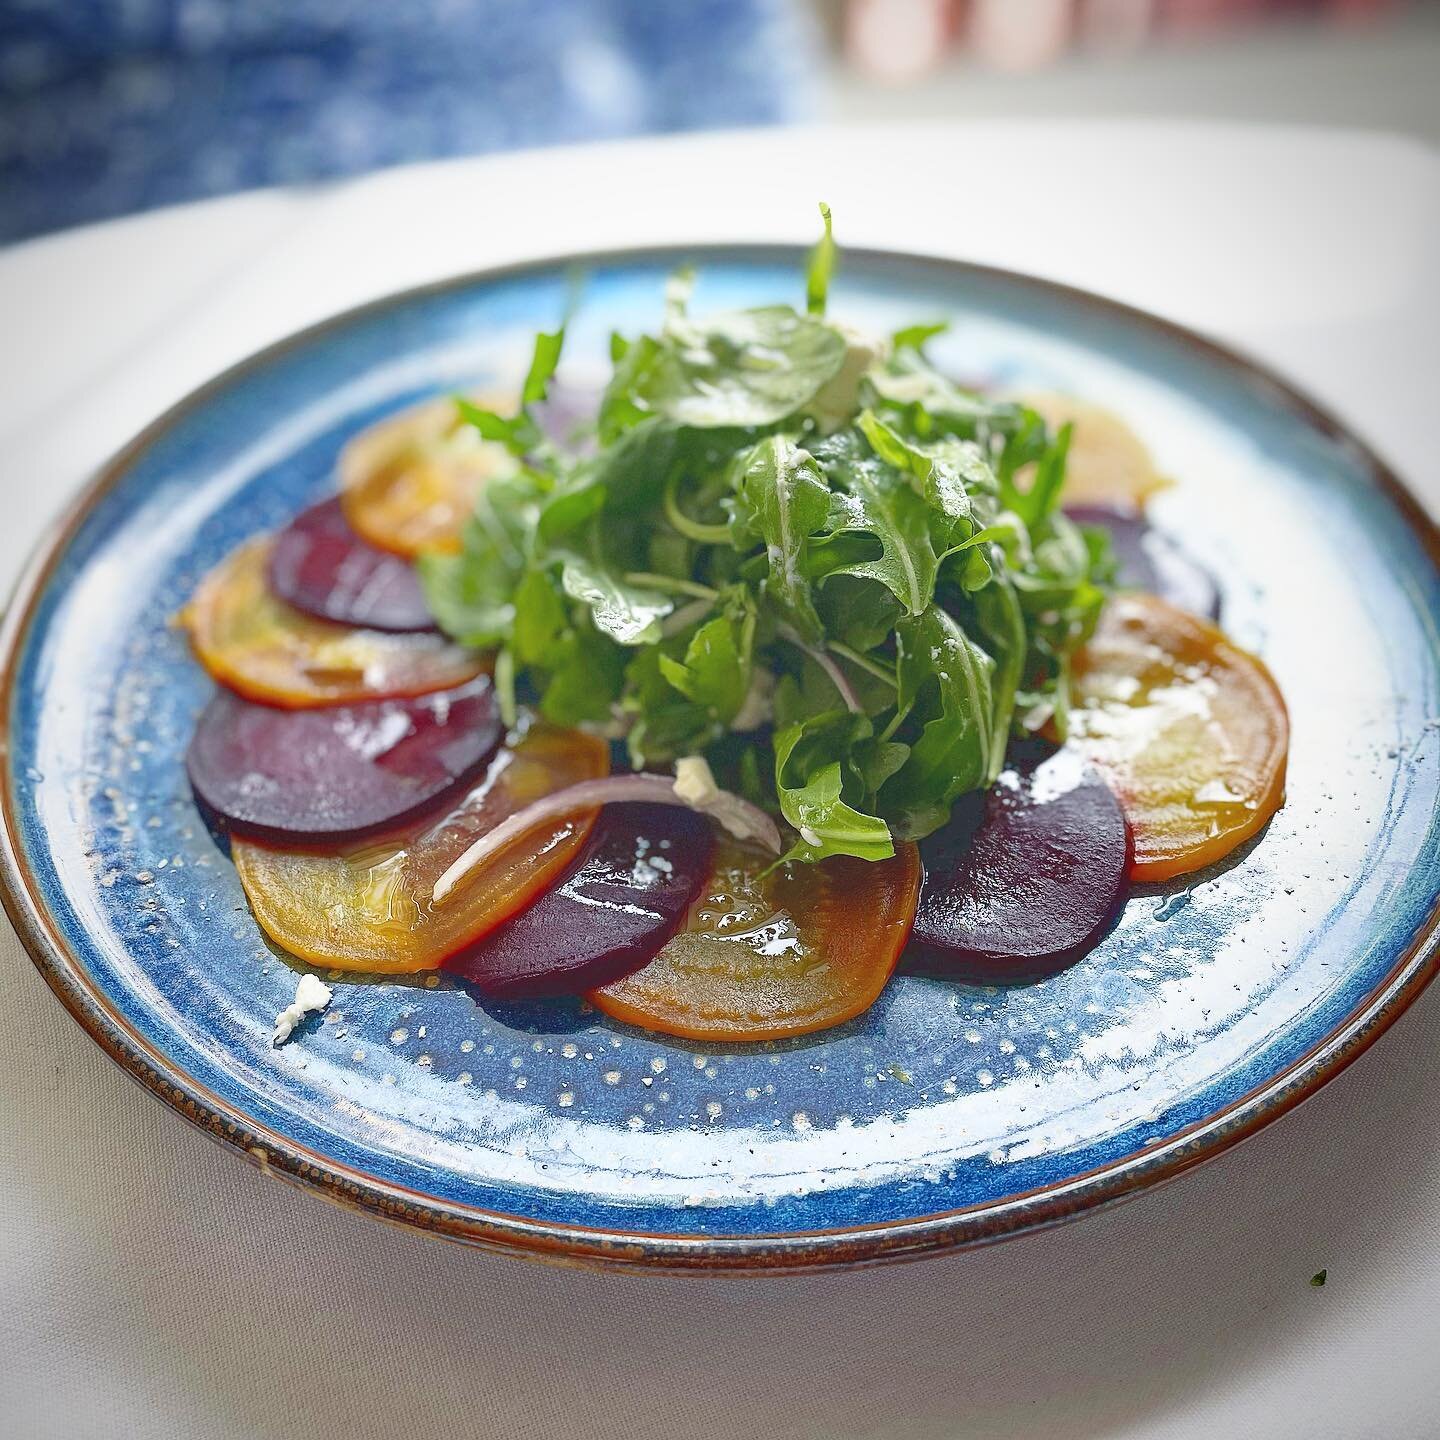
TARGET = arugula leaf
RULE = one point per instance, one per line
(471, 595)
(1043, 495)
(877, 500)
(490, 423)
(715, 672)
(857, 611)
(627, 476)
(519, 433)
(634, 469)
(1059, 562)
(945, 683)
(570, 507)
(629, 613)
(804, 694)
(542, 366)
(470, 602)
(810, 792)
(542, 622)
(666, 722)
(914, 337)
(624, 401)
(827, 825)
(584, 679)
(1025, 442)
(943, 474)
(582, 669)
(781, 500)
(932, 402)
(822, 266)
(745, 369)
(1100, 547)
(876, 760)
(1002, 622)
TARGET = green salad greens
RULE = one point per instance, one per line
(802, 553)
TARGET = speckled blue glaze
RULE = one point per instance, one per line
(944, 1096)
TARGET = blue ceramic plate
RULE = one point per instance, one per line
(948, 1114)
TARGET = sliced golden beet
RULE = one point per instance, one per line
(370, 907)
(1190, 730)
(409, 483)
(768, 953)
(1107, 463)
(271, 653)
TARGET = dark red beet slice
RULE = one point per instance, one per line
(629, 893)
(341, 772)
(1024, 879)
(1150, 560)
(320, 565)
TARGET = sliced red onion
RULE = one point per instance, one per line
(834, 673)
(837, 678)
(742, 819)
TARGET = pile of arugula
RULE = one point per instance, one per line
(811, 558)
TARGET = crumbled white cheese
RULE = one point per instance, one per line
(695, 785)
(839, 397)
(311, 996)
(694, 782)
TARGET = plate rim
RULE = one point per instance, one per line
(557, 1242)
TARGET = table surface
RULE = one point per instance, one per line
(151, 1285)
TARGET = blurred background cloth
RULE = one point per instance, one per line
(1369, 64)
(112, 106)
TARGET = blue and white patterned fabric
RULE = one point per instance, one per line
(109, 106)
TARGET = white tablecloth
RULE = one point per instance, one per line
(151, 1285)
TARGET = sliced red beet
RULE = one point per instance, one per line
(630, 892)
(1024, 879)
(1150, 560)
(320, 565)
(341, 772)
